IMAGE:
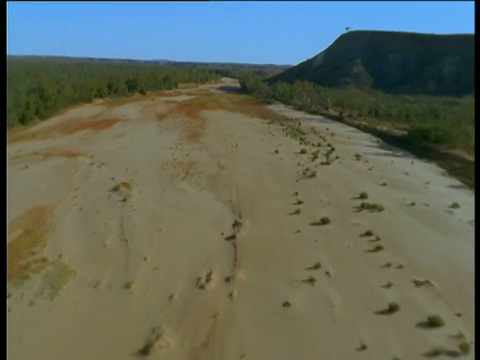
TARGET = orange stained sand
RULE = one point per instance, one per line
(68, 153)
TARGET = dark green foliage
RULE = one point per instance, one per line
(39, 87)
(437, 120)
(433, 134)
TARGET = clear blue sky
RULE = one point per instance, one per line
(220, 31)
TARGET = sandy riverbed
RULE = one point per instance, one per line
(166, 227)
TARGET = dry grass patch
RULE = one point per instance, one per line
(28, 238)
(54, 278)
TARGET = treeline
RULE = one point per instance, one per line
(446, 121)
(38, 88)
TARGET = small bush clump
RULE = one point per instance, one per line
(464, 347)
(310, 280)
(392, 308)
(436, 351)
(363, 195)
(362, 347)
(324, 220)
(388, 285)
(454, 205)
(372, 207)
(315, 266)
(309, 173)
(435, 321)
(376, 248)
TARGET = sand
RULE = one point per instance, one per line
(143, 228)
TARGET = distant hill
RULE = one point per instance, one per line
(393, 62)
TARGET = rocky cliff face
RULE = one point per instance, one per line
(394, 62)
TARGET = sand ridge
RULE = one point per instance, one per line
(201, 225)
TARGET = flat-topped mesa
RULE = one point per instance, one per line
(393, 62)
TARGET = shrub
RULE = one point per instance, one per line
(455, 205)
(376, 248)
(363, 195)
(372, 207)
(433, 134)
(315, 266)
(367, 233)
(388, 285)
(464, 347)
(436, 351)
(310, 280)
(325, 220)
(303, 151)
(435, 321)
(286, 304)
(392, 308)
(309, 173)
(362, 347)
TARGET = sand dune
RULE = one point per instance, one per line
(187, 225)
